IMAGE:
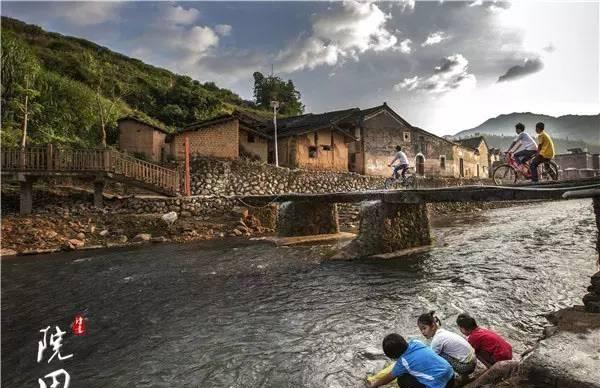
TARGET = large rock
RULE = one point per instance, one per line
(169, 218)
(142, 237)
(565, 360)
(73, 244)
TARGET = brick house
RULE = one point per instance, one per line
(578, 159)
(364, 141)
(315, 141)
(142, 139)
(227, 136)
(475, 164)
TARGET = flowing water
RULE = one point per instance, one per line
(247, 314)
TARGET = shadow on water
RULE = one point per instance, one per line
(235, 313)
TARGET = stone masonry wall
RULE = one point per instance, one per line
(214, 181)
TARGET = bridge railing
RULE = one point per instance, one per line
(58, 159)
(141, 170)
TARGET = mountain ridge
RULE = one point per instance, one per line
(578, 127)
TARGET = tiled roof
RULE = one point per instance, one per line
(298, 125)
(131, 118)
(472, 142)
(250, 123)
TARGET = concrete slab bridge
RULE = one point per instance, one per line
(396, 220)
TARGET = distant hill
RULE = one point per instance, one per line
(569, 131)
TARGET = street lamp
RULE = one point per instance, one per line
(275, 105)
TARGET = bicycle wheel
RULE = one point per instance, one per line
(505, 175)
(410, 182)
(548, 171)
(388, 183)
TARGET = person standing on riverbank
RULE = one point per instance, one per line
(450, 346)
(417, 366)
(489, 347)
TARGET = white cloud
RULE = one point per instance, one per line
(406, 4)
(180, 15)
(476, 3)
(223, 29)
(451, 74)
(407, 83)
(83, 14)
(404, 46)
(198, 39)
(435, 38)
(350, 31)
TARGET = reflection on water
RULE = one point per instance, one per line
(208, 314)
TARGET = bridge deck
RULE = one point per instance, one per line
(551, 190)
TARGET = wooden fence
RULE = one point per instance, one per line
(68, 160)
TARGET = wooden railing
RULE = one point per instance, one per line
(149, 173)
(55, 159)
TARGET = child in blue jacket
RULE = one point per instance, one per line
(417, 366)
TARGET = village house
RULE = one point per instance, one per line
(494, 159)
(142, 139)
(364, 141)
(476, 164)
(357, 140)
(578, 159)
(316, 141)
(229, 136)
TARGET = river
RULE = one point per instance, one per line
(246, 314)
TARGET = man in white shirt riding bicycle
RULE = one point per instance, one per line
(402, 163)
(524, 143)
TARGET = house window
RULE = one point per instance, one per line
(407, 137)
(251, 138)
(326, 147)
(442, 162)
(312, 152)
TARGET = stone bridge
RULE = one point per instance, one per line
(397, 220)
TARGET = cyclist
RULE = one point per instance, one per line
(524, 143)
(545, 151)
(402, 165)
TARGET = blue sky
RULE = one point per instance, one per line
(443, 65)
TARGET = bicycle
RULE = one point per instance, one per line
(409, 182)
(510, 172)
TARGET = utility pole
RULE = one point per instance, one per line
(275, 105)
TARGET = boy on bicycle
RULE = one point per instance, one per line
(402, 165)
(524, 143)
(545, 151)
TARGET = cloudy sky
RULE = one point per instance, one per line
(442, 65)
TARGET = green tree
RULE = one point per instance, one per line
(267, 89)
(20, 70)
(104, 85)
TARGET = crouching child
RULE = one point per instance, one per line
(417, 366)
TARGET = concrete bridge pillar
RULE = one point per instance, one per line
(390, 227)
(299, 218)
(98, 189)
(26, 195)
(591, 300)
